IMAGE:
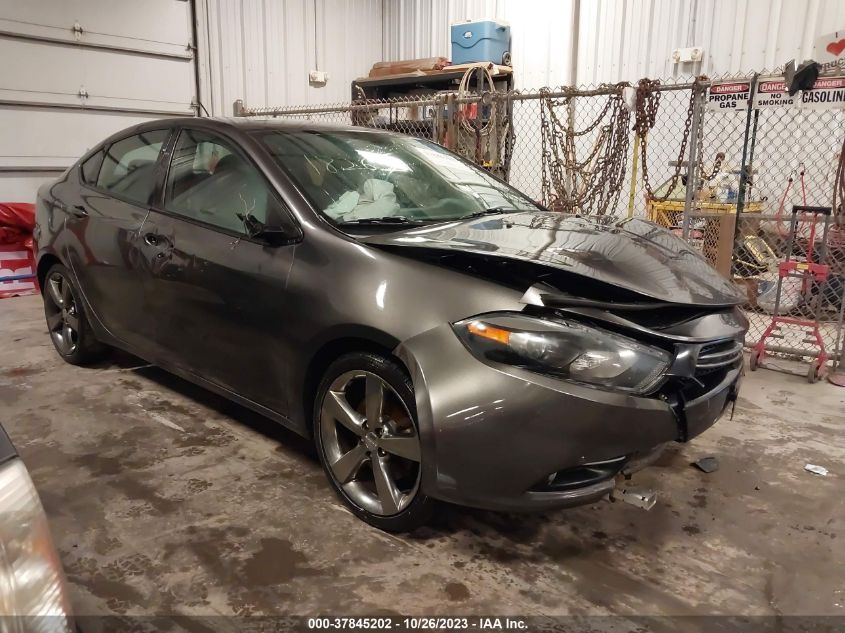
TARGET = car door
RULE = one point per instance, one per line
(117, 185)
(218, 296)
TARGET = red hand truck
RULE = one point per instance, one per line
(808, 271)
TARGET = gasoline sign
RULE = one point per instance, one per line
(827, 93)
(728, 95)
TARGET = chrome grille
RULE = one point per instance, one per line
(716, 355)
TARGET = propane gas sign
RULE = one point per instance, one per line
(728, 95)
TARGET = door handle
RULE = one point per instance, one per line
(78, 211)
(152, 239)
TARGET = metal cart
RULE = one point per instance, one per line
(809, 272)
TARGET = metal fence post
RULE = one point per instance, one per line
(747, 157)
(439, 132)
(692, 161)
(838, 345)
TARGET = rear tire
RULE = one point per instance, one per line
(67, 322)
(367, 438)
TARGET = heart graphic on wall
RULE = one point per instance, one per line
(836, 48)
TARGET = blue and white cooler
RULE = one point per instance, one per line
(484, 41)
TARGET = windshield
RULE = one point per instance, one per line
(355, 177)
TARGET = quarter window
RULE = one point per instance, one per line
(212, 183)
(129, 166)
(91, 168)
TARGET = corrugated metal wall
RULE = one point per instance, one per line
(262, 50)
(633, 39)
(541, 32)
(622, 39)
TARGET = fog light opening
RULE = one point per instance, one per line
(581, 476)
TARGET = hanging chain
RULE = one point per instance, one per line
(593, 183)
(717, 161)
(717, 167)
(647, 105)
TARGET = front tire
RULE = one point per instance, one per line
(367, 437)
(67, 322)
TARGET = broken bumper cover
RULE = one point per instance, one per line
(503, 438)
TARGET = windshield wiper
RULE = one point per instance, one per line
(388, 219)
(491, 211)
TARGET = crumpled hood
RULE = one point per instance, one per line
(632, 254)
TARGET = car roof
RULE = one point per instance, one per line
(229, 124)
(249, 124)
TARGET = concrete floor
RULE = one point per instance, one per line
(165, 499)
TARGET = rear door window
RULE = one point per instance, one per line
(128, 169)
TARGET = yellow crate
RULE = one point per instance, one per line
(717, 234)
(670, 213)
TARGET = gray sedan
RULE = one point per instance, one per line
(437, 333)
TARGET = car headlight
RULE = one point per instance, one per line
(32, 583)
(565, 349)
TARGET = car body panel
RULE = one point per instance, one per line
(104, 257)
(702, 412)
(632, 254)
(390, 299)
(7, 450)
(495, 432)
(200, 282)
(708, 326)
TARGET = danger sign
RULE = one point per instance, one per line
(728, 95)
(773, 93)
(826, 94)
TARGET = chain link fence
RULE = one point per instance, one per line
(627, 150)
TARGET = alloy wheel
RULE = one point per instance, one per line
(62, 314)
(370, 443)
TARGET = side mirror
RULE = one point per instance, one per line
(271, 234)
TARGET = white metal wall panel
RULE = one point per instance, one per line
(262, 50)
(414, 29)
(541, 33)
(286, 53)
(75, 71)
(633, 39)
(346, 51)
(52, 138)
(155, 25)
(622, 39)
(54, 74)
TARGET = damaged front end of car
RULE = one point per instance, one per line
(553, 404)
(704, 346)
(517, 427)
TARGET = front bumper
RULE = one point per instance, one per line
(492, 436)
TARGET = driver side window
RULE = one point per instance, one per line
(210, 182)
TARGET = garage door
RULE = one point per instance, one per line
(74, 71)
